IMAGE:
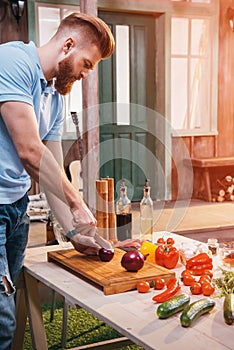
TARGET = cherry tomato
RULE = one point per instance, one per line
(161, 240)
(143, 286)
(188, 280)
(196, 288)
(159, 283)
(207, 289)
(204, 279)
(208, 273)
(185, 273)
(170, 240)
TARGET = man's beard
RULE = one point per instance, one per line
(65, 76)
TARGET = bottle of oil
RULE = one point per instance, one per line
(123, 214)
(146, 213)
(50, 236)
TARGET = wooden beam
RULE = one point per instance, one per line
(90, 164)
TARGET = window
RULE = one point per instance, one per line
(191, 59)
(122, 70)
(48, 18)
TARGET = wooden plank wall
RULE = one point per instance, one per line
(223, 143)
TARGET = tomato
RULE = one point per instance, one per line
(196, 288)
(170, 240)
(159, 283)
(188, 280)
(143, 286)
(208, 273)
(207, 289)
(186, 273)
(204, 279)
(167, 256)
(161, 240)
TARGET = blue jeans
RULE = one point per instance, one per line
(14, 227)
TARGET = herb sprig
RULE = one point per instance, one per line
(224, 284)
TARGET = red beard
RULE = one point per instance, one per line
(65, 76)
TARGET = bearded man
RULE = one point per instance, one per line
(31, 119)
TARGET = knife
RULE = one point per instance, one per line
(102, 242)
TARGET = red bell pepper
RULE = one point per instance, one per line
(167, 256)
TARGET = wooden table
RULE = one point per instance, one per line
(130, 313)
(205, 164)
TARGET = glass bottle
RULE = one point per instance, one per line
(123, 214)
(146, 213)
(50, 236)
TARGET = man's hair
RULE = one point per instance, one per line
(93, 29)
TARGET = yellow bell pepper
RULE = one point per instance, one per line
(148, 248)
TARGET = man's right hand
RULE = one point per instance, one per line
(85, 243)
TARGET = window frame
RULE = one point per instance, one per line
(189, 57)
(64, 5)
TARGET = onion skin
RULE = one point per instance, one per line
(106, 254)
(132, 261)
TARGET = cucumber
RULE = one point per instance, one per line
(228, 309)
(172, 306)
(195, 310)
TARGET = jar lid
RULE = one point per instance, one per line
(212, 241)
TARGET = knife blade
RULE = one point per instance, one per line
(102, 242)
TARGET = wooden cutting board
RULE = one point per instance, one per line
(110, 276)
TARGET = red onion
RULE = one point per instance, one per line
(106, 254)
(133, 260)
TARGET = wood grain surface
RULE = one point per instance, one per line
(110, 276)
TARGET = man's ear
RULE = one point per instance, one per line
(68, 45)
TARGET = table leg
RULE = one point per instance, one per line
(21, 318)
(32, 298)
(207, 184)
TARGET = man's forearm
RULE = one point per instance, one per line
(61, 211)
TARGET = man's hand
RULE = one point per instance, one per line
(85, 244)
(84, 221)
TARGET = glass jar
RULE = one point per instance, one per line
(213, 245)
(228, 254)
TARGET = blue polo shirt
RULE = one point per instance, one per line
(22, 79)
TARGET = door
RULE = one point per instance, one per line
(127, 99)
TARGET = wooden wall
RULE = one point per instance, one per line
(225, 139)
(221, 144)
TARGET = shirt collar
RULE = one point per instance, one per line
(34, 55)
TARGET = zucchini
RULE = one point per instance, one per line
(172, 306)
(195, 310)
(228, 308)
